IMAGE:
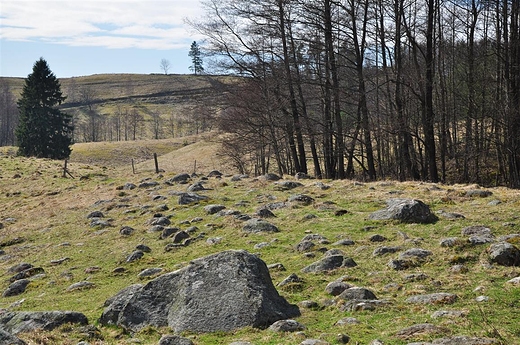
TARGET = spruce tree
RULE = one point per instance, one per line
(43, 130)
(196, 58)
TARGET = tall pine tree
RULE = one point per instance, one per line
(196, 59)
(43, 130)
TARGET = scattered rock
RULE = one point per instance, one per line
(271, 177)
(149, 272)
(21, 322)
(264, 213)
(478, 193)
(291, 279)
(180, 236)
(360, 305)
(212, 209)
(357, 293)
(451, 242)
(301, 199)
(180, 178)
(435, 298)
(463, 340)
(28, 273)
(144, 248)
(95, 214)
(514, 281)
(504, 254)
(335, 288)
(450, 215)
(136, 255)
(405, 210)
(288, 185)
(451, 314)
(174, 340)
(379, 251)
(344, 242)
(420, 330)
(314, 342)
(126, 230)
(257, 225)
(347, 321)
(329, 263)
(377, 238)
(286, 326)
(16, 288)
(83, 285)
(191, 198)
(415, 254)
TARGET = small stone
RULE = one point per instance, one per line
(143, 248)
(136, 255)
(286, 326)
(149, 272)
(16, 288)
(347, 321)
(81, 286)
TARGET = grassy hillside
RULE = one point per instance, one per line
(95, 101)
(45, 223)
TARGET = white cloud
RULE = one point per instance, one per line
(142, 24)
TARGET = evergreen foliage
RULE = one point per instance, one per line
(43, 130)
(196, 59)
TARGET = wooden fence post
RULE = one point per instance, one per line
(156, 163)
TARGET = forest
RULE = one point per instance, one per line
(403, 89)
(388, 89)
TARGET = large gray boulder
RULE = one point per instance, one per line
(406, 211)
(19, 322)
(220, 292)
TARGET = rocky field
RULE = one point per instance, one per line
(112, 257)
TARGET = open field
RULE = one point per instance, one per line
(44, 219)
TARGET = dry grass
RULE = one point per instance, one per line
(50, 217)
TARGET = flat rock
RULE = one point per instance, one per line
(20, 322)
(286, 326)
(478, 193)
(420, 330)
(415, 253)
(174, 340)
(435, 298)
(379, 251)
(451, 314)
(460, 340)
(257, 225)
(191, 198)
(212, 209)
(288, 185)
(406, 211)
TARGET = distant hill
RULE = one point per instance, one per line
(137, 106)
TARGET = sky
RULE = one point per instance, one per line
(85, 37)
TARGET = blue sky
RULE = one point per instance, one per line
(84, 37)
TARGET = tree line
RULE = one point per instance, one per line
(372, 89)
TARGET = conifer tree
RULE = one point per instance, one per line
(196, 58)
(43, 130)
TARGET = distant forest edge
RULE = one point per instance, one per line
(404, 89)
